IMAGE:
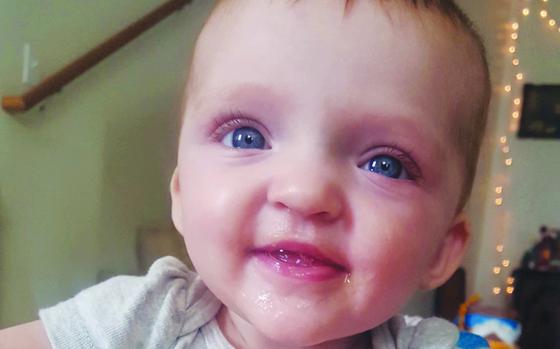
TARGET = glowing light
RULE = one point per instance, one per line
(514, 36)
(507, 88)
(510, 289)
(503, 139)
(500, 248)
(496, 290)
(509, 162)
(526, 12)
(519, 76)
(497, 270)
(515, 62)
(506, 263)
(510, 280)
(511, 49)
(499, 190)
(499, 201)
(505, 149)
(515, 26)
(552, 23)
(517, 101)
(544, 13)
(515, 114)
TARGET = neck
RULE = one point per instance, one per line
(243, 335)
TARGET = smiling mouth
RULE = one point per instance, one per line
(300, 261)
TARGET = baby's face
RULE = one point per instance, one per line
(317, 180)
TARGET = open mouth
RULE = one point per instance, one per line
(300, 261)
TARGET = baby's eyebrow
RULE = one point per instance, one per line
(255, 92)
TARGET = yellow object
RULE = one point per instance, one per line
(464, 309)
(499, 345)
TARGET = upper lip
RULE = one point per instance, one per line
(323, 255)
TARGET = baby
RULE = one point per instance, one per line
(326, 154)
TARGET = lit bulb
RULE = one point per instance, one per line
(507, 88)
(496, 290)
(499, 190)
(514, 36)
(500, 248)
(505, 149)
(552, 23)
(525, 12)
(515, 114)
(510, 280)
(515, 62)
(496, 270)
(505, 263)
(519, 76)
(499, 201)
(512, 49)
(544, 13)
(517, 101)
(509, 161)
(515, 26)
(503, 139)
(510, 290)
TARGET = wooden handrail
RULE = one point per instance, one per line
(55, 82)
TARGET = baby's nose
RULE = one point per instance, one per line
(310, 193)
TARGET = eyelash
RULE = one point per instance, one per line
(228, 122)
(398, 152)
(234, 119)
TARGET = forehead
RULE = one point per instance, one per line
(378, 59)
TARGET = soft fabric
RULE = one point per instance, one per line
(170, 307)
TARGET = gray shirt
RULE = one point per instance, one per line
(171, 307)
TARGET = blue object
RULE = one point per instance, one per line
(469, 340)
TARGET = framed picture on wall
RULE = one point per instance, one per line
(540, 115)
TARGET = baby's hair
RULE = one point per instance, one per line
(469, 134)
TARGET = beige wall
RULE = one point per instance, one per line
(531, 187)
(77, 179)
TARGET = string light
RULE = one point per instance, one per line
(499, 201)
(499, 190)
(505, 263)
(496, 290)
(515, 115)
(544, 13)
(497, 270)
(515, 26)
(507, 88)
(526, 12)
(515, 61)
(517, 101)
(500, 248)
(505, 149)
(552, 22)
(510, 280)
(519, 76)
(510, 289)
(508, 162)
(503, 139)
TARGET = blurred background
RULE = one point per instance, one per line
(84, 175)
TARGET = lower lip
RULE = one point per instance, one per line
(316, 272)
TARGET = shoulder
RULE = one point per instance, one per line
(169, 302)
(429, 333)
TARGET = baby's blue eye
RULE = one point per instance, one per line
(386, 165)
(245, 138)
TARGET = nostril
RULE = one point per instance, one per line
(321, 201)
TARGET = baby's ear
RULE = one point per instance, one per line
(449, 255)
(176, 205)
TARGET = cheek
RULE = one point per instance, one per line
(395, 245)
(217, 213)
